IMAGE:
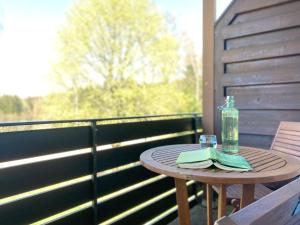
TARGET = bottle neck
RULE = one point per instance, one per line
(229, 104)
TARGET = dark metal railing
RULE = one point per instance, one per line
(89, 173)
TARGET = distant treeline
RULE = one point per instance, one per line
(13, 107)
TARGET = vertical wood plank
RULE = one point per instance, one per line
(247, 195)
(209, 204)
(222, 201)
(182, 202)
(209, 15)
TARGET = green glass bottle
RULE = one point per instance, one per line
(230, 126)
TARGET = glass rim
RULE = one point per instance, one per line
(208, 135)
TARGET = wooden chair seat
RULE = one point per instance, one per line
(281, 207)
(234, 191)
(286, 141)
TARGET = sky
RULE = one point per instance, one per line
(28, 31)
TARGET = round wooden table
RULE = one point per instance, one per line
(268, 166)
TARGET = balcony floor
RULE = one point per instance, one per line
(198, 215)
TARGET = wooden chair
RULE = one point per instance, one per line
(281, 207)
(287, 141)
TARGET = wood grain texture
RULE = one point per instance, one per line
(287, 139)
(281, 21)
(290, 34)
(247, 195)
(222, 201)
(257, 55)
(182, 202)
(279, 96)
(266, 122)
(261, 51)
(235, 191)
(268, 166)
(267, 11)
(209, 192)
(209, 15)
(272, 76)
(275, 209)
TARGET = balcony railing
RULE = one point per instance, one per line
(88, 171)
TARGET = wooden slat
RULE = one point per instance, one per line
(113, 133)
(261, 141)
(123, 155)
(267, 11)
(285, 35)
(276, 208)
(287, 141)
(264, 25)
(281, 96)
(286, 150)
(274, 76)
(124, 202)
(262, 52)
(83, 217)
(119, 180)
(264, 122)
(24, 144)
(289, 146)
(264, 64)
(292, 135)
(38, 207)
(290, 126)
(28, 177)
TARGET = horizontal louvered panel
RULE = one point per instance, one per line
(280, 96)
(38, 207)
(131, 199)
(119, 180)
(84, 217)
(262, 65)
(261, 52)
(273, 76)
(263, 25)
(113, 133)
(290, 34)
(24, 144)
(28, 177)
(264, 122)
(122, 155)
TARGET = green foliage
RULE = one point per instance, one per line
(10, 104)
(117, 58)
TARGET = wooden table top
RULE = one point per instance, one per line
(268, 166)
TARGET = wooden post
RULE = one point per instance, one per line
(182, 202)
(222, 201)
(209, 193)
(209, 15)
(247, 195)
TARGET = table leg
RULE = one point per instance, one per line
(247, 194)
(222, 201)
(182, 202)
(209, 204)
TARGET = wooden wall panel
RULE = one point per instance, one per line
(257, 60)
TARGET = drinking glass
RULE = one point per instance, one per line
(208, 141)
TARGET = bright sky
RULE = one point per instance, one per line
(28, 32)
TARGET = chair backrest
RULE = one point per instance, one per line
(287, 138)
(281, 207)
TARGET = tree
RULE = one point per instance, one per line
(11, 104)
(116, 58)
